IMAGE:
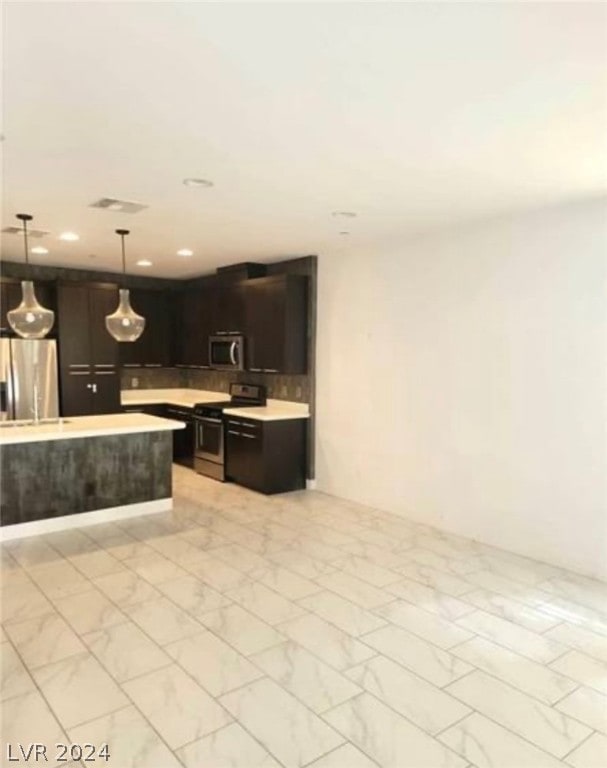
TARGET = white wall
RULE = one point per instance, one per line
(462, 382)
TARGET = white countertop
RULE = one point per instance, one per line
(85, 426)
(186, 398)
(274, 410)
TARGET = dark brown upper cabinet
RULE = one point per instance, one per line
(229, 307)
(10, 298)
(276, 324)
(196, 307)
(88, 355)
(153, 348)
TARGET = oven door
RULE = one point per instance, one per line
(226, 353)
(208, 439)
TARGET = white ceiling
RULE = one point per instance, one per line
(413, 115)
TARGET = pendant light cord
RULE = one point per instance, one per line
(27, 258)
(25, 217)
(123, 233)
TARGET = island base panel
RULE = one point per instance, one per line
(58, 478)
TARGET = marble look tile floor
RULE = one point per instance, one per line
(300, 630)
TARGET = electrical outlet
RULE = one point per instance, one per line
(134, 382)
(283, 390)
(298, 393)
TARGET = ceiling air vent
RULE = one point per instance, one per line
(122, 206)
(30, 232)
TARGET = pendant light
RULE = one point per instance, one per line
(30, 320)
(125, 324)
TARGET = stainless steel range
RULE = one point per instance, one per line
(209, 433)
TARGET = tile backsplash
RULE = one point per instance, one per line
(153, 378)
(279, 387)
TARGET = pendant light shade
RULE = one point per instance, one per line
(30, 320)
(124, 324)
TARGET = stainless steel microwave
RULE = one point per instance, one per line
(226, 353)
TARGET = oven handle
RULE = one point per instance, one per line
(233, 352)
(208, 419)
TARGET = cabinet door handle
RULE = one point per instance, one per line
(79, 365)
(249, 437)
(271, 370)
(78, 373)
(93, 387)
(105, 373)
(255, 370)
(131, 365)
(232, 432)
(152, 365)
(104, 365)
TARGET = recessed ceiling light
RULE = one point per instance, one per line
(39, 249)
(115, 207)
(344, 233)
(144, 263)
(192, 182)
(69, 237)
(344, 214)
(185, 252)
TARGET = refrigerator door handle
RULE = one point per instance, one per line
(6, 376)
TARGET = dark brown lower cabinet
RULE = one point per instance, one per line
(183, 439)
(266, 456)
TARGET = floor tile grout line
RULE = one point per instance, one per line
(507, 728)
(341, 746)
(297, 700)
(437, 616)
(575, 717)
(580, 683)
(386, 704)
(510, 685)
(235, 721)
(493, 641)
(577, 746)
(523, 606)
(468, 714)
(548, 629)
(391, 624)
(518, 653)
(27, 672)
(42, 695)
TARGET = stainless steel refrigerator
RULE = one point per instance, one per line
(28, 379)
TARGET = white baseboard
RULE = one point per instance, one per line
(52, 524)
(311, 484)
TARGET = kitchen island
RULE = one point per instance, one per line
(83, 470)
